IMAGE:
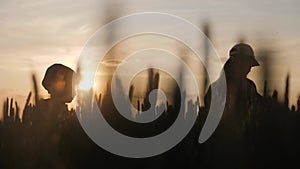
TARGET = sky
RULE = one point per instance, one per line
(36, 34)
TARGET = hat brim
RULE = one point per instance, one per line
(254, 62)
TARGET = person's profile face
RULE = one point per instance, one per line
(242, 68)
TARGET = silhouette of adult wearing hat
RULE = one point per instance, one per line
(229, 146)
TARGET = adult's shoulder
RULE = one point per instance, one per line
(218, 88)
(252, 87)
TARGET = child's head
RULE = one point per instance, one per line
(58, 81)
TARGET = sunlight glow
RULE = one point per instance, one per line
(87, 81)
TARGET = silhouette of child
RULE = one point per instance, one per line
(58, 82)
(52, 114)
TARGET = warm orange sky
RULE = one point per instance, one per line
(36, 34)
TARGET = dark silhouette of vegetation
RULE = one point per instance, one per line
(255, 131)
